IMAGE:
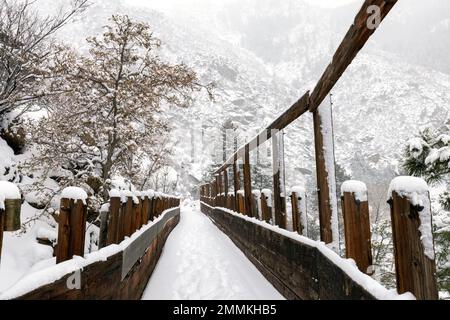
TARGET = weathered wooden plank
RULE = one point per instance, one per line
(415, 271)
(2, 225)
(145, 210)
(323, 190)
(248, 184)
(357, 232)
(225, 182)
(265, 208)
(355, 39)
(103, 235)
(12, 214)
(71, 229)
(103, 280)
(237, 184)
(296, 224)
(296, 270)
(280, 215)
(77, 228)
(113, 221)
(219, 183)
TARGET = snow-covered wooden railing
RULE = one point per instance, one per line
(357, 36)
(125, 213)
(298, 267)
(414, 253)
(118, 271)
(122, 216)
(134, 226)
(411, 224)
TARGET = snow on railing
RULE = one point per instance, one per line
(411, 218)
(125, 213)
(411, 224)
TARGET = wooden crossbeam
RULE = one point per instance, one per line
(355, 39)
(294, 112)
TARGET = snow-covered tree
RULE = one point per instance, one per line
(110, 121)
(26, 52)
(428, 156)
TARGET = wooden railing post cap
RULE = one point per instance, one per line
(357, 188)
(114, 193)
(413, 237)
(406, 186)
(75, 194)
(299, 191)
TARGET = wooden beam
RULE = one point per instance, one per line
(357, 231)
(248, 183)
(71, 230)
(355, 39)
(2, 224)
(323, 190)
(280, 215)
(220, 182)
(237, 183)
(415, 270)
(294, 112)
(113, 221)
(225, 182)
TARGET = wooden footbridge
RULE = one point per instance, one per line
(134, 227)
(295, 268)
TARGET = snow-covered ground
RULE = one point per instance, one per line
(199, 262)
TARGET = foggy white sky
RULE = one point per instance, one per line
(167, 4)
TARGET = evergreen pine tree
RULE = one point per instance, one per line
(428, 156)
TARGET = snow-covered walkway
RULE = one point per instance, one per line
(200, 262)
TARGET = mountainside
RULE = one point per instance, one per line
(262, 59)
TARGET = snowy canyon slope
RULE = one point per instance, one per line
(264, 54)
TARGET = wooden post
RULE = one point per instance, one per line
(158, 206)
(355, 209)
(145, 210)
(229, 202)
(2, 225)
(413, 247)
(113, 221)
(128, 217)
(103, 235)
(133, 217)
(323, 188)
(121, 222)
(265, 208)
(237, 183)
(137, 215)
(248, 183)
(12, 214)
(280, 215)
(216, 184)
(219, 183)
(225, 182)
(72, 229)
(256, 198)
(296, 225)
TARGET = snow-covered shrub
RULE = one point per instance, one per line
(428, 156)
